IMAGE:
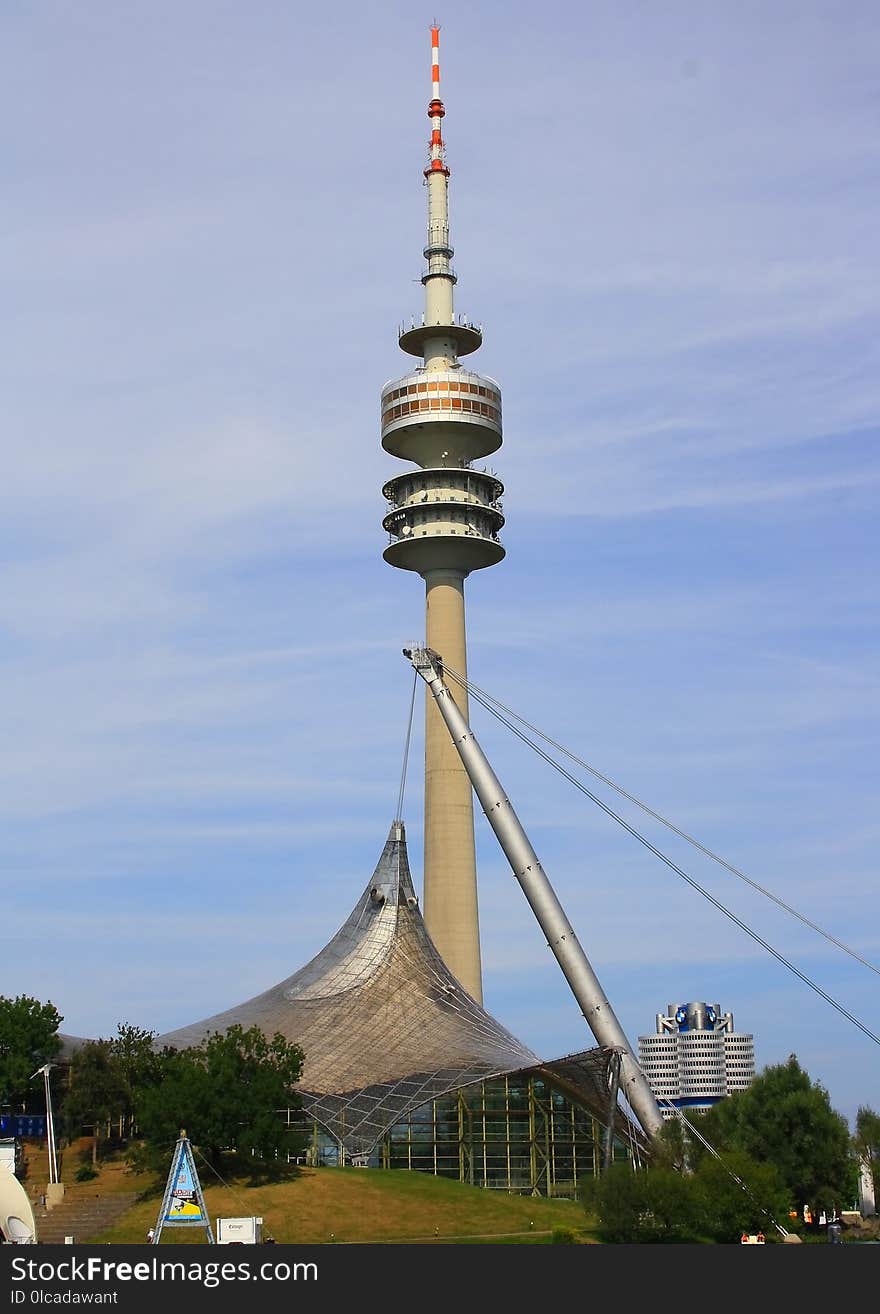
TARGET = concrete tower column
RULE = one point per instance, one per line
(450, 884)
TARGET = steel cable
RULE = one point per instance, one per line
(481, 695)
(673, 866)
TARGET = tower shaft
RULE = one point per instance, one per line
(450, 885)
(443, 522)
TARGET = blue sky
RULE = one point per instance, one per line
(665, 219)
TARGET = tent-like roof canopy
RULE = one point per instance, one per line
(385, 1026)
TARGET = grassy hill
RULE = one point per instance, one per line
(354, 1205)
(368, 1205)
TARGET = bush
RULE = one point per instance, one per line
(563, 1236)
(85, 1173)
(727, 1208)
(654, 1205)
(718, 1202)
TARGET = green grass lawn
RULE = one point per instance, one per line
(365, 1205)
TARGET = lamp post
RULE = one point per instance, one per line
(50, 1123)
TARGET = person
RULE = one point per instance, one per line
(150, 1236)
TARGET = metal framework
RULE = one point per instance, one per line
(520, 1133)
(386, 1028)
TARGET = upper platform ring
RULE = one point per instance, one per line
(467, 337)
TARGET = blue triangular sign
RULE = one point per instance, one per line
(183, 1204)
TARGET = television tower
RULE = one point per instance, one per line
(443, 522)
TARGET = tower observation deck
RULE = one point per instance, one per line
(443, 522)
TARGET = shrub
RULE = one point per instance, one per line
(652, 1205)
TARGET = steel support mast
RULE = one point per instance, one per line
(540, 894)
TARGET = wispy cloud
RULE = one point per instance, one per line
(674, 255)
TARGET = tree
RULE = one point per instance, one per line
(138, 1065)
(28, 1039)
(785, 1119)
(228, 1093)
(739, 1195)
(104, 1078)
(95, 1090)
(672, 1146)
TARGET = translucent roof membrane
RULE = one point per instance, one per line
(385, 1026)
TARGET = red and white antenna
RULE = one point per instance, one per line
(435, 109)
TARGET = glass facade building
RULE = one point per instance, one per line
(514, 1134)
(517, 1133)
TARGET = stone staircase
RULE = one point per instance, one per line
(86, 1209)
(82, 1214)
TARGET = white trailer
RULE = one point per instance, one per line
(239, 1231)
